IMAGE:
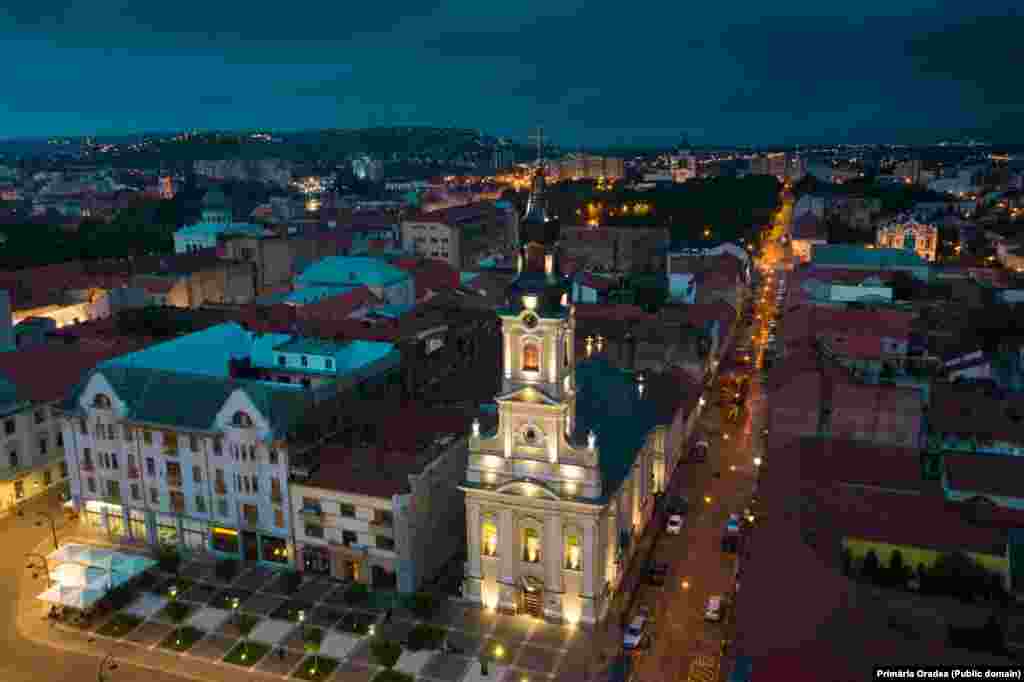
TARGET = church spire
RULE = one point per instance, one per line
(536, 211)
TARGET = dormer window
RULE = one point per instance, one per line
(281, 360)
(101, 401)
(305, 361)
(241, 419)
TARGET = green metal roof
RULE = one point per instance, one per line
(608, 402)
(192, 401)
(843, 255)
(352, 270)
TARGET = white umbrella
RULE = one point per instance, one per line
(79, 575)
(75, 597)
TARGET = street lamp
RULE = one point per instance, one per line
(53, 526)
(757, 461)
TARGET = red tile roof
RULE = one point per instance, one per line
(338, 307)
(860, 463)
(383, 469)
(970, 410)
(612, 311)
(998, 475)
(429, 275)
(47, 373)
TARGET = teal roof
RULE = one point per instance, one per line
(306, 295)
(205, 352)
(608, 402)
(467, 277)
(221, 228)
(842, 255)
(336, 270)
(192, 401)
(349, 357)
(9, 401)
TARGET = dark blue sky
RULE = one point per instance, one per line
(593, 72)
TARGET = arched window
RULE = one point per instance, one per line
(531, 545)
(489, 538)
(573, 553)
(568, 352)
(102, 401)
(241, 419)
(531, 357)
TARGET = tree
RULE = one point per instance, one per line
(870, 566)
(245, 624)
(846, 560)
(385, 651)
(897, 571)
(312, 640)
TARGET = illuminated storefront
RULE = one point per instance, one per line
(224, 540)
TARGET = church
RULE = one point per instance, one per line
(557, 494)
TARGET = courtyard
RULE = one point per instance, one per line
(257, 625)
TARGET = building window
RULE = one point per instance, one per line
(200, 504)
(349, 538)
(126, 432)
(275, 491)
(12, 457)
(9, 427)
(154, 496)
(572, 551)
(102, 401)
(305, 361)
(281, 360)
(170, 443)
(272, 456)
(348, 510)
(47, 477)
(147, 436)
(42, 446)
(222, 507)
(314, 531)
(150, 467)
(193, 443)
(177, 502)
(40, 416)
(60, 439)
(19, 490)
(385, 543)
(328, 363)
(136, 492)
(86, 459)
(279, 517)
(241, 419)
(531, 357)
(63, 469)
(110, 432)
(218, 445)
(83, 427)
(114, 491)
(251, 514)
(531, 546)
(489, 538)
(113, 460)
(91, 485)
(384, 518)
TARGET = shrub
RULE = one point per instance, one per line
(226, 570)
(424, 605)
(169, 559)
(390, 675)
(176, 611)
(385, 651)
(897, 573)
(425, 636)
(291, 581)
(357, 594)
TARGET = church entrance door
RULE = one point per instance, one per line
(533, 597)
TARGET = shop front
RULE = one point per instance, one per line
(350, 563)
(274, 550)
(225, 541)
(316, 559)
(105, 517)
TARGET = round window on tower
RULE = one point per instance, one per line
(530, 321)
(531, 435)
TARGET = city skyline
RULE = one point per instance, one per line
(799, 75)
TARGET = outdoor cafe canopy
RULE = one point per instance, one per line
(82, 574)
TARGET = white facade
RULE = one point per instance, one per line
(545, 536)
(33, 453)
(223, 489)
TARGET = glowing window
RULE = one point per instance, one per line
(531, 546)
(101, 401)
(572, 551)
(489, 539)
(531, 357)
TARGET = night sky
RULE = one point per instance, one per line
(593, 72)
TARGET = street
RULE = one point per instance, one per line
(684, 645)
(24, 660)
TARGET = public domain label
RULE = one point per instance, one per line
(949, 672)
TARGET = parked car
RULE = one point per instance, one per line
(713, 610)
(635, 632)
(675, 524)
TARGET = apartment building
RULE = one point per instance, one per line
(32, 382)
(177, 444)
(386, 511)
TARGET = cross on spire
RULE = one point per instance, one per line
(539, 137)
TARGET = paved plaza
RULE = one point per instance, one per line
(208, 642)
